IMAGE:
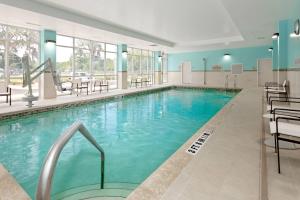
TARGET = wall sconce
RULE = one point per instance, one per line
(51, 41)
(124, 54)
(270, 49)
(160, 58)
(296, 32)
(297, 27)
(227, 56)
(275, 36)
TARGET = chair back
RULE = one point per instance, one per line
(76, 81)
(104, 82)
(97, 82)
(3, 87)
(284, 85)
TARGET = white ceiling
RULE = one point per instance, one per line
(175, 25)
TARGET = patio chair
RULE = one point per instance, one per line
(136, 81)
(5, 91)
(271, 85)
(285, 131)
(145, 80)
(281, 90)
(101, 84)
(274, 101)
(77, 85)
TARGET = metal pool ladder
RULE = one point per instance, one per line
(47, 172)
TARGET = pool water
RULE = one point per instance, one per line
(138, 133)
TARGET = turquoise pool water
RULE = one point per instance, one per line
(138, 133)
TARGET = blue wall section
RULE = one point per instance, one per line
(247, 56)
(48, 50)
(283, 44)
(122, 58)
(275, 54)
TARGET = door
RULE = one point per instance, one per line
(187, 72)
(264, 71)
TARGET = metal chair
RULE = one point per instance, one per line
(5, 91)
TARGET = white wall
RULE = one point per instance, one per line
(293, 76)
(247, 79)
(217, 79)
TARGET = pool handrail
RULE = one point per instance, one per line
(48, 169)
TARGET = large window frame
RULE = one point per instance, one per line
(92, 47)
(164, 68)
(137, 67)
(15, 42)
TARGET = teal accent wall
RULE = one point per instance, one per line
(275, 54)
(283, 43)
(289, 47)
(246, 56)
(157, 61)
(122, 58)
(48, 50)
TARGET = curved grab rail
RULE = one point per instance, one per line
(45, 180)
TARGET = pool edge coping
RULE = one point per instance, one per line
(10, 187)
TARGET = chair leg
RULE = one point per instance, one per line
(77, 89)
(10, 99)
(275, 142)
(278, 157)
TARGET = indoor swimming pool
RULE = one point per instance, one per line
(137, 132)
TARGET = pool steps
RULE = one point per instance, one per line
(110, 191)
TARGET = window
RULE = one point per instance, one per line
(16, 42)
(98, 59)
(86, 59)
(2, 60)
(82, 59)
(165, 69)
(140, 64)
(64, 62)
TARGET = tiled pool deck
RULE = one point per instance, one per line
(233, 164)
(227, 167)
